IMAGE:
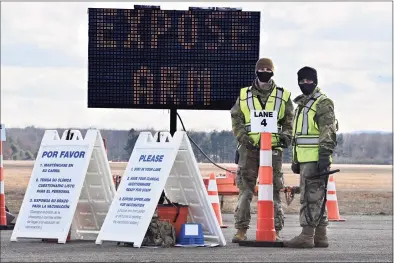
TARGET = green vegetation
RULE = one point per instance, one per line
(360, 148)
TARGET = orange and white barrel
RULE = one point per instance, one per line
(265, 204)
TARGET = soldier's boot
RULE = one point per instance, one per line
(304, 240)
(278, 238)
(321, 239)
(240, 235)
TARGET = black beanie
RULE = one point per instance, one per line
(307, 73)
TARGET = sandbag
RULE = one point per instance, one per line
(159, 233)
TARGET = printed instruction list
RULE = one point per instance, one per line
(53, 185)
(141, 182)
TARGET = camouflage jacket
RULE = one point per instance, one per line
(325, 120)
(159, 233)
(238, 119)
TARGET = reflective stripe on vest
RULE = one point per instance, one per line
(308, 106)
(249, 102)
(306, 137)
(307, 141)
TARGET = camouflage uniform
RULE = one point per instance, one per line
(313, 191)
(249, 161)
(159, 233)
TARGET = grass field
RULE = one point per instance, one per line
(361, 189)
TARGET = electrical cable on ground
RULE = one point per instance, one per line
(209, 159)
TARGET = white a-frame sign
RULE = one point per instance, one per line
(71, 186)
(156, 163)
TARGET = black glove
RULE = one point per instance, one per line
(295, 167)
(284, 140)
(236, 156)
(324, 163)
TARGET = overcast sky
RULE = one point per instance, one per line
(44, 63)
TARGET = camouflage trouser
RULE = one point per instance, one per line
(246, 179)
(312, 196)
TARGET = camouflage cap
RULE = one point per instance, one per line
(264, 63)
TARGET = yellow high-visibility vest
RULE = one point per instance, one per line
(276, 102)
(306, 131)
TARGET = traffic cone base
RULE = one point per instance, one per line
(3, 216)
(253, 243)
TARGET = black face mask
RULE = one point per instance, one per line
(264, 76)
(307, 88)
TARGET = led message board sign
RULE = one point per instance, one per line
(170, 59)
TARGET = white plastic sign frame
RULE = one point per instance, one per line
(55, 186)
(155, 159)
(133, 206)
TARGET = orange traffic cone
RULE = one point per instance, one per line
(212, 190)
(332, 202)
(3, 214)
(265, 232)
(265, 204)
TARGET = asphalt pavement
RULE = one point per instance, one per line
(358, 239)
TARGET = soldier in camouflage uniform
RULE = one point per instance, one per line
(314, 140)
(263, 94)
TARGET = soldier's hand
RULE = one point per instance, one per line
(295, 167)
(324, 163)
(247, 141)
(285, 140)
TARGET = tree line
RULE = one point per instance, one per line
(219, 146)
